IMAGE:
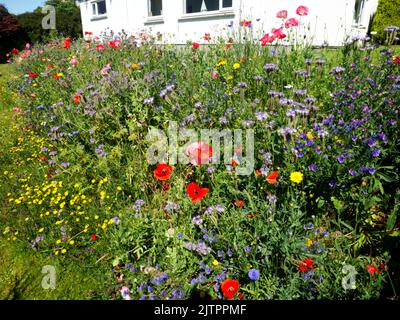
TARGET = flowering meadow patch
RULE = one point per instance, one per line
(322, 193)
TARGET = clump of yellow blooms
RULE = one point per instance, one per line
(296, 177)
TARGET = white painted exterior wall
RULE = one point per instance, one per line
(329, 21)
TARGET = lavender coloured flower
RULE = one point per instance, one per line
(197, 220)
(254, 274)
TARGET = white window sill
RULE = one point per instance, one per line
(207, 14)
(154, 19)
(99, 17)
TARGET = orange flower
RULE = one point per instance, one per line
(77, 98)
(271, 179)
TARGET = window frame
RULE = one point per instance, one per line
(220, 9)
(96, 15)
(149, 11)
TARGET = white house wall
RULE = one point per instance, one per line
(328, 21)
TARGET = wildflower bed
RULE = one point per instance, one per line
(316, 218)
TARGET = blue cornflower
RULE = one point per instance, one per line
(254, 274)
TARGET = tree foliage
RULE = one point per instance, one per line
(12, 35)
(388, 14)
(68, 21)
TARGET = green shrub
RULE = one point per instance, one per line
(388, 14)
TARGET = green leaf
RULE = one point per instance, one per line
(391, 222)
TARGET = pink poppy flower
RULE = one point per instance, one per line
(100, 47)
(267, 38)
(199, 152)
(278, 33)
(302, 11)
(292, 22)
(282, 14)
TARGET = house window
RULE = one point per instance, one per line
(155, 8)
(99, 8)
(193, 6)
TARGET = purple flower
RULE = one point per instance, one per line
(270, 67)
(340, 158)
(376, 152)
(148, 100)
(260, 116)
(254, 274)
(197, 220)
(116, 220)
(64, 164)
(313, 167)
(352, 172)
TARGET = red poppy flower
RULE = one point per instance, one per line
(87, 33)
(115, 44)
(306, 264)
(77, 98)
(43, 158)
(302, 268)
(245, 23)
(241, 296)
(229, 288)
(195, 192)
(396, 59)
(271, 178)
(207, 37)
(234, 163)
(67, 43)
(32, 75)
(100, 47)
(50, 66)
(15, 51)
(163, 172)
(258, 173)
(195, 45)
(228, 46)
(165, 187)
(93, 236)
(243, 59)
(372, 269)
(56, 76)
(239, 203)
(309, 263)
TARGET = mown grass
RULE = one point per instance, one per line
(21, 276)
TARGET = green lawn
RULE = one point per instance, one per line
(21, 275)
